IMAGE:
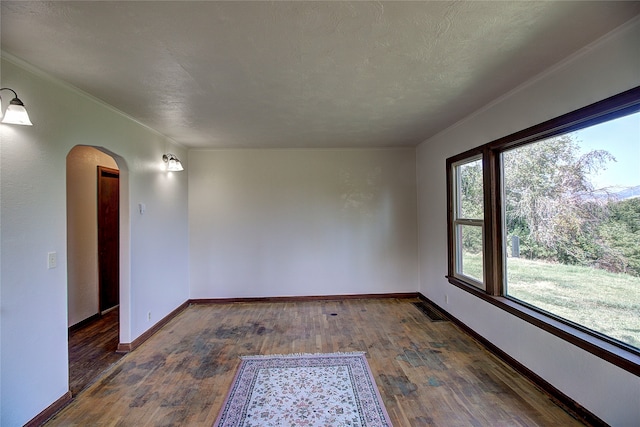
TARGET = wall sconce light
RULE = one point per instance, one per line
(16, 114)
(173, 163)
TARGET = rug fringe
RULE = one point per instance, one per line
(267, 356)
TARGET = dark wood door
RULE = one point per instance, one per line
(108, 237)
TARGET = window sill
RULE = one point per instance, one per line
(617, 355)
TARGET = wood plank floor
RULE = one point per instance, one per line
(92, 350)
(428, 373)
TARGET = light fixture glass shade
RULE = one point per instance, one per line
(16, 114)
(173, 163)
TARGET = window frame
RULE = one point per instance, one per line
(457, 220)
(615, 352)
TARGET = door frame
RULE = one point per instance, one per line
(103, 172)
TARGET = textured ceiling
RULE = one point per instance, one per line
(301, 74)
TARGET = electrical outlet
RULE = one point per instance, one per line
(52, 260)
(446, 299)
(149, 316)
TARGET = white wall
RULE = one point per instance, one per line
(154, 253)
(606, 68)
(82, 231)
(302, 222)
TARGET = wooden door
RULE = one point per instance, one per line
(108, 237)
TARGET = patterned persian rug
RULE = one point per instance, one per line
(304, 390)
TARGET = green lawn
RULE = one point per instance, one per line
(605, 302)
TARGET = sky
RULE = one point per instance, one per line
(621, 138)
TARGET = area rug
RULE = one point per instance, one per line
(304, 390)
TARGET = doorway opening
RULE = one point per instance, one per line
(93, 263)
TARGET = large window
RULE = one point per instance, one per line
(545, 223)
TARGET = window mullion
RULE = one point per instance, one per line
(492, 229)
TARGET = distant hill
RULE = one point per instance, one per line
(628, 193)
(616, 193)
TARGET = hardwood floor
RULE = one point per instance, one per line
(428, 373)
(92, 349)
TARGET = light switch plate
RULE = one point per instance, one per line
(52, 259)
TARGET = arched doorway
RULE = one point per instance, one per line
(94, 243)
